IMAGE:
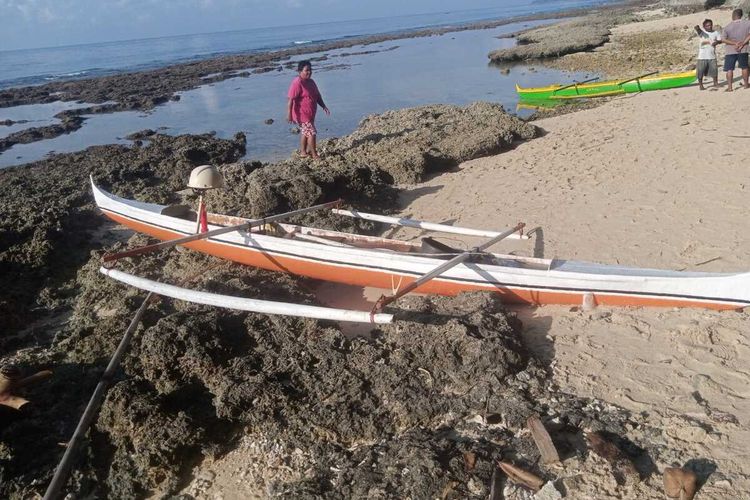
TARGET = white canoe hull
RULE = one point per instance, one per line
(357, 260)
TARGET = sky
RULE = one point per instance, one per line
(49, 23)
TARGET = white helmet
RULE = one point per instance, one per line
(205, 177)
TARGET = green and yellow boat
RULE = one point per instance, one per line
(589, 88)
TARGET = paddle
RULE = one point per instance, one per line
(215, 232)
(384, 301)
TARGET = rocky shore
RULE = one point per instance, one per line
(216, 403)
(145, 90)
(58, 313)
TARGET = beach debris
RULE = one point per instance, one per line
(10, 381)
(622, 466)
(520, 476)
(269, 121)
(449, 490)
(470, 460)
(517, 492)
(548, 492)
(543, 440)
(680, 483)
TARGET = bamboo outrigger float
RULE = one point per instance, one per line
(392, 264)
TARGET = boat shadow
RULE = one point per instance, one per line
(407, 196)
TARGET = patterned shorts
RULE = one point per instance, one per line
(308, 129)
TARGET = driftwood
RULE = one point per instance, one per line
(10, 381)
(680, 483)
(520, 476)
(622, 466)
(543, 440)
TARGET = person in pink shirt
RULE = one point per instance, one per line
(303, 100)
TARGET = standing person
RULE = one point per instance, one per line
(303, 100)
(706, 63)
(734, 36)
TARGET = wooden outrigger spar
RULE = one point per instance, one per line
(215, 232)
(441, 269)
(428, 226)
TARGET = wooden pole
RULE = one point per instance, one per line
(222, 230)
(429, 226)
(384, 301)
(200, 214)
(63, 468)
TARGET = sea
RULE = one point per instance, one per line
(451, 68)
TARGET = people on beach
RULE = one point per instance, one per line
(303, 100)
(736, 35)
(706, 63)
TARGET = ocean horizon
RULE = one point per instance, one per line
(36, 66)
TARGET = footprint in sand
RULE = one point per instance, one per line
(704, 383)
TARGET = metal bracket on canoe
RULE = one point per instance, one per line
(385, 300)
(111, 257)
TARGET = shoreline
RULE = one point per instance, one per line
(619, 183)
(146, 90)
(267, 56)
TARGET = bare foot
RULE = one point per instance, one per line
(302, 155)
(728, 90)
(315, 156)
(702, 87)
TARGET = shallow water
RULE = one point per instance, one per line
(451, 68)
(35, 66)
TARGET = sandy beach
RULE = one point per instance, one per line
(654, 180)
(225, 405)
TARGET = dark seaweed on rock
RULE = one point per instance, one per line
(557, 40)
(451, 377)
(413, 143)
(25, 136)
(47, 214)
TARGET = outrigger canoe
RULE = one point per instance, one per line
(612, 87)
(392, 264)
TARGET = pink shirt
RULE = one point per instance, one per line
(304, 95)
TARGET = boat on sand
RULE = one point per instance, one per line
(396, 265)
(591, 88)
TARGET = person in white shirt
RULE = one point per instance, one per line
(706, 64)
